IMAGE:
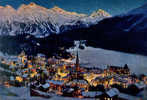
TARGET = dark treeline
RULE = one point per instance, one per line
(50, 46)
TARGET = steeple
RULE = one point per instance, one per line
(22, 53)
(77, 66)
(77, 61)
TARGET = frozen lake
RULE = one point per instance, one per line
(100, 57)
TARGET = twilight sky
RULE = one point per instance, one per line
(114, 7)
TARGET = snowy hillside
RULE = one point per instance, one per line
(40, 22)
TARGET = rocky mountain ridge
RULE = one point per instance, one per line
(41, 22)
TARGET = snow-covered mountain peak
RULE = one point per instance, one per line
(9, 7)
(57, 9)
(100, 12)
(32, 12)
(37, 20)
(64, 12)
(7, 13)
(1, 7)
(31, 6)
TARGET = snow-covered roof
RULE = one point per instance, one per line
(11, 67)
(56, 82)
(112, 92)
(12, 78)
(13, 59)
(25, 75)
(126, 96)
(140, 86)
(40, 55)
(47, 85)
(80, 81)
(41, 93)
(45, 71)
(91, 94)
(69, 90)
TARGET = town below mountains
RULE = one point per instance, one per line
(49, 77)
(46, 69)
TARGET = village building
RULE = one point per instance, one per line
(111, 94)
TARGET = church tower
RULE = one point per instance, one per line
(77, 62)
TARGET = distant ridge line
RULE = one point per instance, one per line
(24, 1)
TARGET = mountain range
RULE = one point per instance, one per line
(114, 7)
(126, 32)
(41, 22)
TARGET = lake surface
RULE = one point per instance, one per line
(100, 57)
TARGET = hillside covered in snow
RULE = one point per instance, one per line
(39, 21)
